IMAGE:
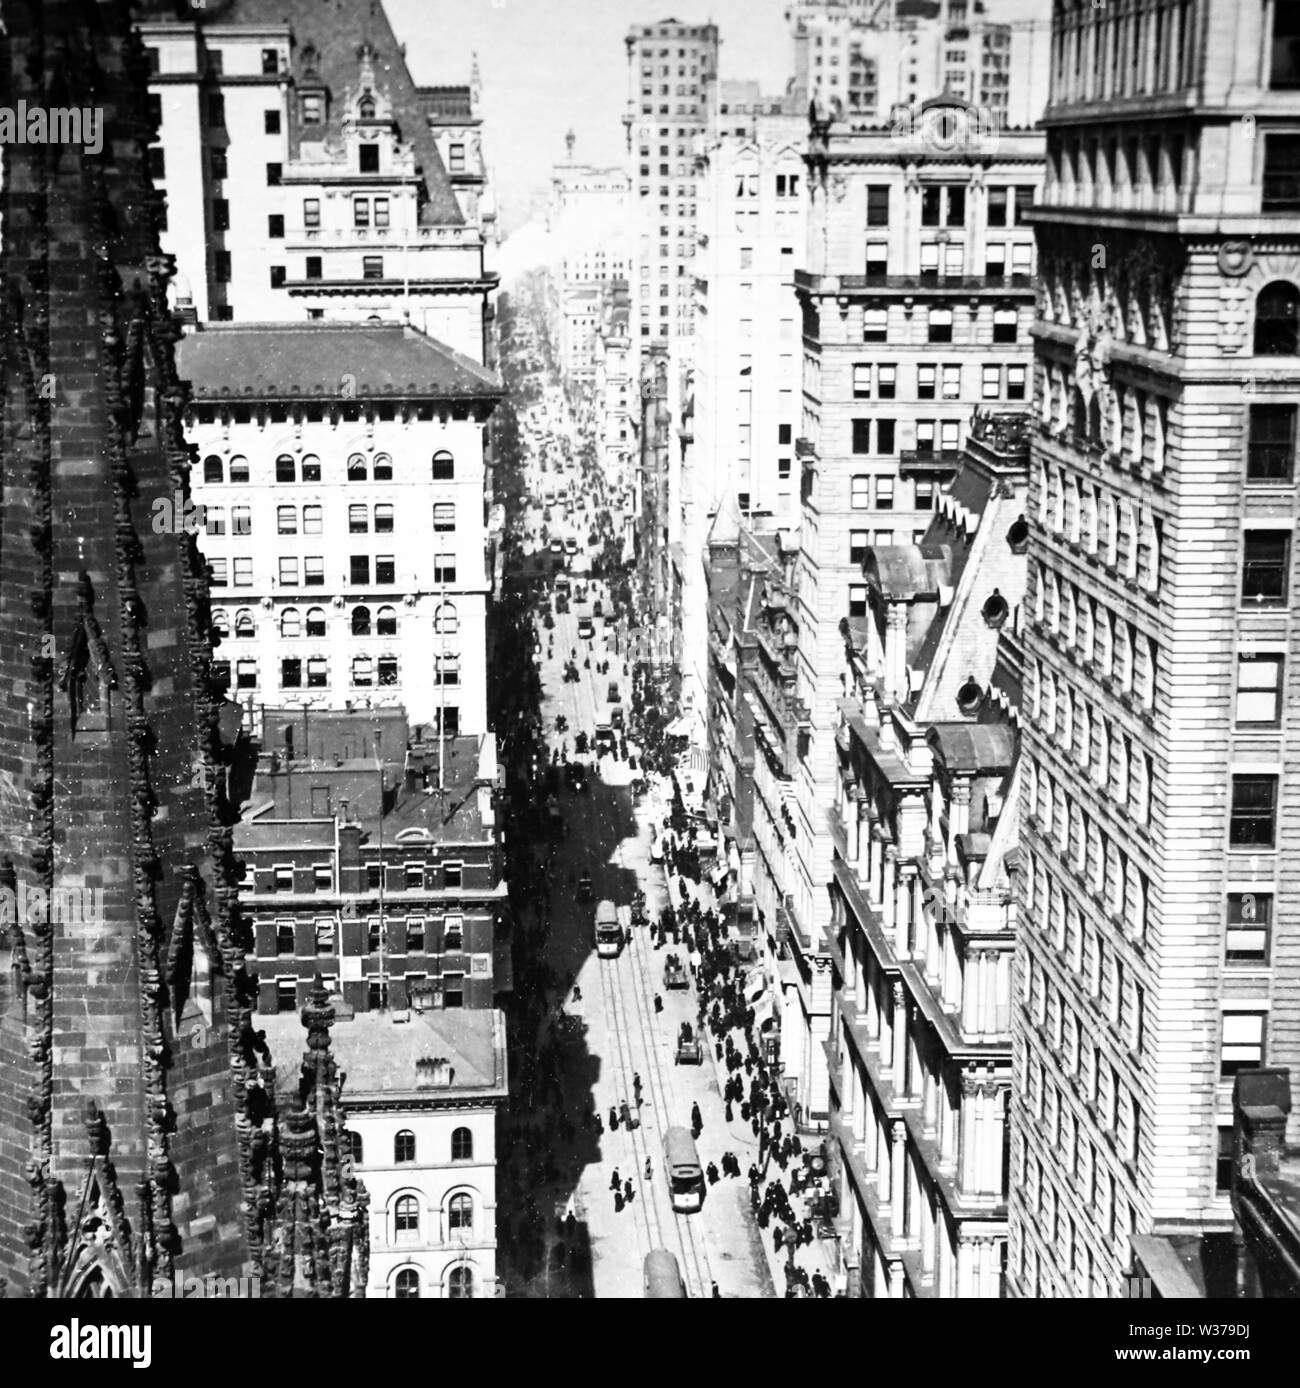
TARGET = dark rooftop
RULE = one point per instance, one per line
(266, 361)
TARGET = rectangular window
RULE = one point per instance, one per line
(1259, 690)
(1250, 921)
(313, 267)
(218, 573)
(931, 205)
(372, 267)
(385, 569)
(884, 436)
(1005, 325)
(877, 259)
(384, 518)
(941, 325)
(246, 674)
(444, 516)
(244, 573)
(453, 932)
(858, 541)
(886, 381)
(368, 161)
(1242, 1047)
(929, 262)
(456, 158)
(884, 493)
(1265, 567)
(926, 377)
(381, 213)
(444, 568)
(322, 874)
(291, 673)
(861, 381)
(273, 173)
(952, 382)
(360, 570)
(317, 671)
(1271, 452)
(860, 495)
(878, 205)
(311, 213)
(857, 600)
(288, 572)
(991, 382)
(284, 937)
(415, 927)
(221, 267)
(862, 436)
(358, 519)
(1015, 382)
(313, 516)
(271, 122)
(275, 226)
(997, 205)
(1254, 811)
(360, 212)
(313, 571)
(995, 261)
(1281, 173)
(875, 325)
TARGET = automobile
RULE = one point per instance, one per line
(615, 714)
(689, 1050)
(570, 546)
(586, 629)
(575, 775)
(557, 547)
(674, 973)
(612, 694)
(604, 739)
(596, 608)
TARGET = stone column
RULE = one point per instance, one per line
(898, 1053)
(902, 912)
(890, 876)
(898, 1176)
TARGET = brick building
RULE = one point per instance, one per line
(390, 905)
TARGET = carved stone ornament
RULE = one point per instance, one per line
(1235, 258)
(1233, 299)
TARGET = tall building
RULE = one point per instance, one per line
(424, 1089)
(670, 68)
(343, 519)
(866, 59)
(915, 305)
(926, 832)
(588, 223)
(1157, 953)
(308, 177)
(371, 856)
(139, 1139)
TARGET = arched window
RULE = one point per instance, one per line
(406, 1285)
(404, 1146)
(239, 468)
(383, 468)
(286, 469)
(245, 626)
(360, 621)
(460, 1283)
(444, 466)
(315, 621)
(357, 470)
(462, 1145)
(1277, 320)
(386, 621)
(446, 620)
(406, 1219)
(460, 1212)
(220, 622)
(310, 467)
(213, 471)
(1078, 416)
(357, 1147)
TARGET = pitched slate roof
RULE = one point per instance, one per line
(261, 361)
(336, 29)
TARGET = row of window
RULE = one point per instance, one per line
(404, 1150)
(1135, 429)
(880, 380)
(883, 432)
(406, 1217)
(1098, 55)
(1095, 744)
(946, 204)
(1084, 847)
(446, 622)
(414, 930)
(1074, 295)
(220, 571)
(1095, 634)
(939, 325)
(360, 468)
(286, 519)
(313, 672)
(460, 1283)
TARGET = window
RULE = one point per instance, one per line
(315, 621)
(317, 672)
(273, 174)
(313, 272)
(246, 674)
(361, 212)
(406, 1211)
(860, 493)
(886, 381)
(288, 572)
(404, 1147)
(444, 516)
(447, 669)
(453, 932)
(406, 1285)
(243, 573)
(941, 325)
(384, 518)
(460, 1213)
(926, 377)
(877, 259)
(311, 213)
(415, 932)
(462, 1145)
(1277, 320)
(1265, 567)
(444, 568)
(312, 517)
(221, 267)
(1271, 451)
(284, 937)
(857, 600)
(358, 519)
(291, 673)
(385, 569)
(460, 1283)
(884, 493)
(991, 382)
(858, 541)
(951, 382)
(358, 470)
(453, 985)
(286, 994)
(1015, 382)
(286, 520)
(387, 665)
(446, 621)
(1254, 810)
(372, 267)
(1259, 690)
(362, 672)
(271, 126)
(381, 213)
(1242, 1047)
(241, 520)
(862, 436)
(386, 622)
(216, 110)
(1004, 325)
(360, 621)
(1281, 191)
(875, 325)
(368, 158)
(1250, 918)
(359, 567)
(444, 467)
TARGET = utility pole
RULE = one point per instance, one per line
(383, 872)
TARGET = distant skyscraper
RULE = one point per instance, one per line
(1158, 937)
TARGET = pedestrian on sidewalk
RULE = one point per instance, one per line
(715, 1291)
(613, 1119)
(615, 1180)
(711, 1171)
(618, 1202)
(628, 1191)
(649, 1169)
(696, 1121)
(636, 1085)
(659, 1004)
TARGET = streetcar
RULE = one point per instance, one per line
(609, 934)
(663, 1275)
(685, 1177)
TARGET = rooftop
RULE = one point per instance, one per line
(276, 361)
(381, 1052)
